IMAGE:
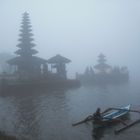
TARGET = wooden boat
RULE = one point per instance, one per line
(111, 116)
(115, 115)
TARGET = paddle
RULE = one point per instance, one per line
(89, 118)
(125, 109)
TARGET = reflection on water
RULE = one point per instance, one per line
(26, 125)
(98, 133)
(49, 114)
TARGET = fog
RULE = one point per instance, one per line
(77, 29)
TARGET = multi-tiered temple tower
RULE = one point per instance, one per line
(28, 66)
(102, 67)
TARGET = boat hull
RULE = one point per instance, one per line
(113, 116)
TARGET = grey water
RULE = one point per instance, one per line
(50, 114)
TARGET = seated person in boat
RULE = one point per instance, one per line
(97, 115)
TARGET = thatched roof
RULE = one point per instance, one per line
(20, 60)
(58, 59)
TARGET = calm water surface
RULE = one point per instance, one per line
(49, 114)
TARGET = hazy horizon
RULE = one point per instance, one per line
(78, 29)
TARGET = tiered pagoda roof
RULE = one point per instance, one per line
(26, 46)
(102, 66)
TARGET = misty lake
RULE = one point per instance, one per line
(50, 114)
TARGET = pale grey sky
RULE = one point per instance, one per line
(77, 29)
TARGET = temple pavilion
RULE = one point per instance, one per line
(58, 63)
